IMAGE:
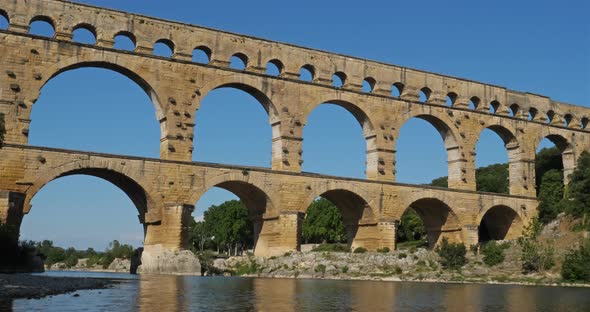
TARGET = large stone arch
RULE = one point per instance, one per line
(500, 222)
(517, 166)
(358, 214)
(257, 87)
(440, 220)
(564, 143)
(253, 194)
(142, 194)
(456, 158)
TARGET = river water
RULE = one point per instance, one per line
(190, 293)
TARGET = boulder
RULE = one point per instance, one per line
(120, 265)
(160, 260)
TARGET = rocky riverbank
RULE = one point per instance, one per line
(405, 265)
(117, 266)
(14, 286)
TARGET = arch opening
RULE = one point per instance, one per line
(338, 79)
(514, 110)
(229, 218)
(274, 67)
(238, 61)
(4, 20)
(82, 201)
(42, 26)
(584, 123)
(495, 147)
(128, 107)
(397, 89)
(202, 54)
(164, 48)
(500, 223)
(125, 40)
(439, 221)
(567, 120)
(451, 99)
(424, 94)
(329, 133)
(474, 102)
(84, 33)
(307, 73)
(532, 113)
(420, 156)
(231, 114)
(339, 216)
(550, 116)
(369, 84)
(494, 106)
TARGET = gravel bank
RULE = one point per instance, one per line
(13, 286)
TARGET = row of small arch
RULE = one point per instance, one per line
(275, 67)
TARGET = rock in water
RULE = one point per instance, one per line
(160, 260)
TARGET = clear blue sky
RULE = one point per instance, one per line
(535, 46)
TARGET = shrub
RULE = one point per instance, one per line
(331, 248)
(536, 256)
(402, 256)
(421, 263)
(383, 250)
(576, 265)
(247, 268)
(398, 270)
(493, 253)
(320, 268)
(345, 269)
(360, 250)
(452, 254)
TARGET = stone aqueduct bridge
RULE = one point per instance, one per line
(165, 190)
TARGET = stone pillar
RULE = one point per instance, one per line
(287, 151)
(279, 234)
(167, 240)
(11, 211)
(387, 233)
(470, 234)
(381, 164)
(366, 235)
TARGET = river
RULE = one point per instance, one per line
(190, 293)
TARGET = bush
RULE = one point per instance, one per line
(576, 266)
(493, 253)
(402, 256)
(383, 250)
(320, 268)
(536, 256)
(331, 248)
(398, 270)
(345, 269)
(452, 254)
(360, 250)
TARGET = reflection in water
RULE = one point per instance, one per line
(190, 293)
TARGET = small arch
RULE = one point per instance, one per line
(532, 113)
(338, 79)
(42, 26)
(84, 33)
(451, 98)
(425, 94)
(550, 116)
(4, 20)
(584, 122)
(369, 84)
(307, 73)
(567, 120)
(274, 67)
(514, 110)
(238, 61)
(164, 48)
(474, 102)
(494, 106)
(202, 54)
(125, 40)
(500, 223)
(397, 89)
(439, 220)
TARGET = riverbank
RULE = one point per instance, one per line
(14, 286)
(416, 265)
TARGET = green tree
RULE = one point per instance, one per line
(550, 195)
(545, 160)
(323, 223)
(577, 193)
(199, 235)
(576, 266)
(411, 227)
(440, 182)
(452, 255)
(230, 226)
(493, 178)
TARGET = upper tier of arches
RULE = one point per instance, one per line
(288, 61)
